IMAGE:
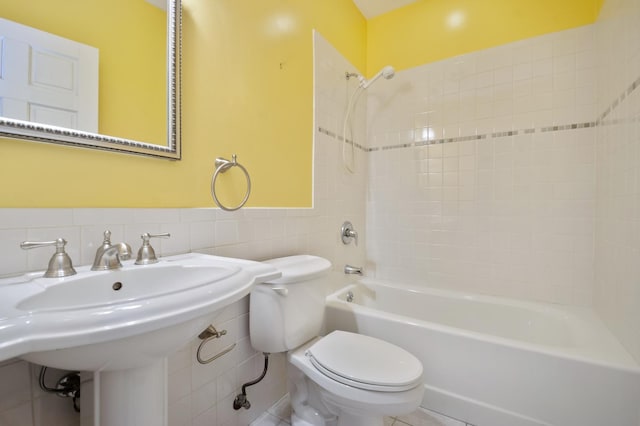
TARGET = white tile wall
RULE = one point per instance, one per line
(16, 398)
(488, 197)
(617, 295)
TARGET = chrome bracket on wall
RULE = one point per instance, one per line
(207, 335)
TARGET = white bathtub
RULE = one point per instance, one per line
(500, 362)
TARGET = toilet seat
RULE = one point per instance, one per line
(365, 362)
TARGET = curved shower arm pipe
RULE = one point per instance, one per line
(387, 72)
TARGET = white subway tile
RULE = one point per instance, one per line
(179, 384)
(180, 412)
(20, 415)
(542, 67)
(35, 218)
(14, 259)
(15, 387)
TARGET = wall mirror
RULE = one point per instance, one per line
(135, 45)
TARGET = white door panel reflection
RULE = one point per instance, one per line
(47, 79)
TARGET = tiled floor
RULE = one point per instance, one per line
(280, 413)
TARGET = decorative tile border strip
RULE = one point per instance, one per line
(402, 145)
(617, 101)
(568, 127)
(574, 126)
(326, 132)
(340, 138)
(509, 133)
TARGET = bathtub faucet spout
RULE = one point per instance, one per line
(348, 269)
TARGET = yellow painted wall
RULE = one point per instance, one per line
(247, 89)
(598, 6)
(130, 36)
(431, 30)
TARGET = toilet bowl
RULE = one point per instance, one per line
(354, 386)
(342, 379)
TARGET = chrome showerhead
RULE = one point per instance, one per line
(387, 72)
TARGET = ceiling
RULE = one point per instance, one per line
(373, 8)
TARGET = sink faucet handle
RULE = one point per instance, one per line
(146, 254)
(107, 237)
(163, 235)
(60, 264)
(106, 241)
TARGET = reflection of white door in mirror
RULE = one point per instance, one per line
(47, 79)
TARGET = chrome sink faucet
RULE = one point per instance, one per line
(108, 256)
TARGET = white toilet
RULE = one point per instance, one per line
(342, 379)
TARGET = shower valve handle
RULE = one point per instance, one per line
(348, 233)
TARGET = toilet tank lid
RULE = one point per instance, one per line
(299, 268)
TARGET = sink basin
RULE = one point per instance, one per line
(120, 319)
(108, 288)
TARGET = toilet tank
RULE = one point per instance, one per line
(289, 311)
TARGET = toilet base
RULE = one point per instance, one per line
(345, 419)
(307, 407)
(298, 421)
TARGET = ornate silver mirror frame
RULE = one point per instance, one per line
(27, 130)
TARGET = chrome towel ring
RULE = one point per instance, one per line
(222, 165)
(207, 335)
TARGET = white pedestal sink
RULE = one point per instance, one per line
(121, 325)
